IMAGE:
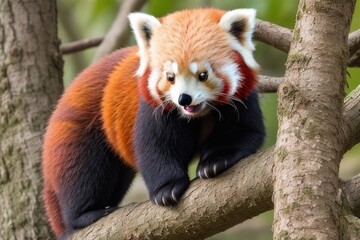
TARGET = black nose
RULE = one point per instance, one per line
(184, 99)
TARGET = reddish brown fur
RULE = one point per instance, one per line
(119, 107)
(190, 36)
(249, 78)
(107, 94)
(78, 108)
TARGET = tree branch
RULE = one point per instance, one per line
(211, 206)
(208, 207)
(354, 49)
(352, 194)
(280, 38)
(269, 33)
(273, 35)
(70, 27)
(352, 119)
(80, 45)
(354, 42)
(269, 84)
(119, 31)
(354, 60)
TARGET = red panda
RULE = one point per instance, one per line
(143, 109)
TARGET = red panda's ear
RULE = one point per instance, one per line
(240, 23)
(143, 25)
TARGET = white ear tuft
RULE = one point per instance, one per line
(240, 23)
(143, 26)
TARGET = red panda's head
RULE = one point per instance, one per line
(195, 59)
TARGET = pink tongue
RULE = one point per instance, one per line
(191, 108)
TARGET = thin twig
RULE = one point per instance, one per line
(80, 45)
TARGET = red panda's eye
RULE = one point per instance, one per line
(203, 76)
(170, 77)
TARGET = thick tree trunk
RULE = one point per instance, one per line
(310, 141)
(30, 83)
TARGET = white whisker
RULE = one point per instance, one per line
(160, 109)
(213, 107)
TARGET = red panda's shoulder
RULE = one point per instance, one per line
(119, 106)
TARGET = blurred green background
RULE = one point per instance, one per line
(92, 18)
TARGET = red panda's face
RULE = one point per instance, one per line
(191, 88)
(193, 56)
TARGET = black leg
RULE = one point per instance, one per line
(94, 185)
(164, 146)
(239, 133)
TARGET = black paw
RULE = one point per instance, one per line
(214, 164)
(210, 169)
(169, 194)
(109, 210)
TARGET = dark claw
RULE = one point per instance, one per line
(214, 165)
(169, 194)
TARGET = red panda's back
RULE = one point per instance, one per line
(78, 109)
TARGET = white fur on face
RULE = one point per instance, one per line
(171, 67)
(152, 84)
(189, 84)
(246, 54)
(193, 67)
(230, 70)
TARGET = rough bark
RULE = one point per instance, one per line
(272, 34)
(208, 207)
(30, 83)
(352, 194)
(269, 84)
(310, 140)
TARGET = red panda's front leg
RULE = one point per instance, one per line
(239, 133)
(164, 146)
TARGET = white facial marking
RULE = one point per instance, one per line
(152, 84)
(230, 69)
(171, 67)
(168, 67)
(174, 67)
(200, 92)
(193, 67)
(246, 54)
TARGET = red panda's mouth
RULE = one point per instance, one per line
(193, 110)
